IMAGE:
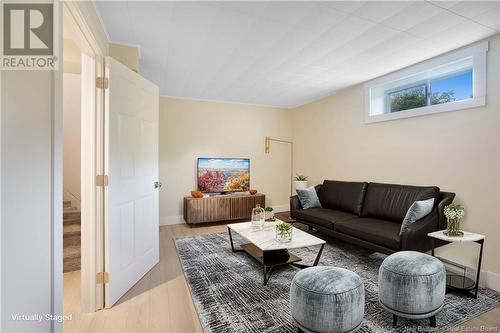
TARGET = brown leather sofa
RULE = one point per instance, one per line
(370, 214)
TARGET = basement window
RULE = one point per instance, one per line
(454, 81)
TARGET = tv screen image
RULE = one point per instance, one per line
(223, 174)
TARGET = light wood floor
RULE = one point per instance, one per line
(161, 302)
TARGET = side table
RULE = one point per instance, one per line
(458, 282)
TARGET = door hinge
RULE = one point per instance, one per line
(101, 180)
(102, 278)
(102, 82)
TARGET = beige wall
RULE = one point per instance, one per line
(72, 138)
(457, 151)
(127, 55)
(71, 57)
(191, 129)
(71, 122)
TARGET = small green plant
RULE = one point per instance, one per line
(269, 209)
(284, 232)
(300, 178)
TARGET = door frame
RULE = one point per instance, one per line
(92, 155)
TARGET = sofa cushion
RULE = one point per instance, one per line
(322, 216)
(345, 196)
(380, 232)
(391, 202)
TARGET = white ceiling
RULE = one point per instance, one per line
(287, 53)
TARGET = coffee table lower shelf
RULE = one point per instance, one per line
(274, 258)
(270, 259)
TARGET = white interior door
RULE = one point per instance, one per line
(132, 213)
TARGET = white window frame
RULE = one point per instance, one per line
(478, 54)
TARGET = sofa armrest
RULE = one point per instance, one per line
(294, 205)
(415, 237)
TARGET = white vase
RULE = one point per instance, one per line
(300, 184)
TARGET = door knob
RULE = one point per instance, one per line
(158, 184)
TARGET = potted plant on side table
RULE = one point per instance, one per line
(300, 182)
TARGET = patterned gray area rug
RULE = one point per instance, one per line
(227, 289)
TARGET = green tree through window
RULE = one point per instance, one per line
(439, 90)
(444, 97)
(410, 98)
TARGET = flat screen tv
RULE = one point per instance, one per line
(220, 175)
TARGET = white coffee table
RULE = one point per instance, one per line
(263, 246)
(456, 282)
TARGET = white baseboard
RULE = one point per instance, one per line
(490, 280)
(173, 219)
(281, 208)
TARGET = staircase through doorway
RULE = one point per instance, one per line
(72, 237)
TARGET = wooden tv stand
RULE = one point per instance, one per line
(221, 208)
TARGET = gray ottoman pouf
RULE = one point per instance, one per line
(327, 299)
(412, 285)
